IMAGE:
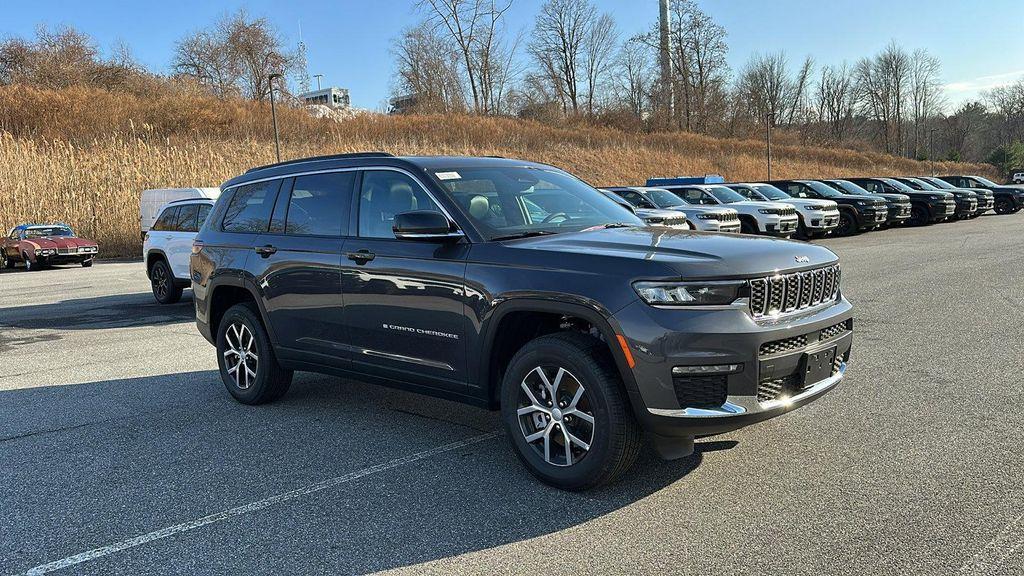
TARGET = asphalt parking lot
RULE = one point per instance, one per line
(120, 451)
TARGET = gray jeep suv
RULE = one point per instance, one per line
(516, 287)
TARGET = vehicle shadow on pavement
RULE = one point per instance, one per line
(148, 453)
(99, 312)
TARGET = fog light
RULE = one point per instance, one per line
(707, 369)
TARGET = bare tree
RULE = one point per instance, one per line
(1007, 102)
(797, 93)
(428, 70)
(764, 86)
(598, 47)
(883, 88)
(635, 75)
(204, 57)
(925, 93)
(557, 46)
(836, 101)
(961, 127)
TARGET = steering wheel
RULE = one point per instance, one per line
(550, 218)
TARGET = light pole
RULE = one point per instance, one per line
(318, 77)
(273, 114)
(931, 158)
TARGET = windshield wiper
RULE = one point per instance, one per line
(614, 225)
(528, 234)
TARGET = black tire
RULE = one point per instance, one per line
(1004, 206)
(748, 226)
(87, 263)
(161, 281)
(918, 216)
(847, 224)
(5, 261)
(269, 381)
(614, 436)
(29, 265)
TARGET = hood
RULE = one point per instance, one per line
(761, 204)
(805, 202)
(59, 242)
(893, 197)
(876, 198)
(963, 193)
(660, 213)
(685, 254)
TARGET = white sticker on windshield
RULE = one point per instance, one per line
(447, 175)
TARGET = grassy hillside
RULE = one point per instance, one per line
(82, 156)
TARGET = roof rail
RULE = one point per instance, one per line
(327, 157)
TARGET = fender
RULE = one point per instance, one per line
(857, 218)
(213, 284)
(592, 312)
(154, 251)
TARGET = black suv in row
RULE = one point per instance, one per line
(926, 207)
(856, 213)
(1008, 200)
(514, 286)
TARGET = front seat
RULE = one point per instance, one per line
(382, 206)
(479, 207)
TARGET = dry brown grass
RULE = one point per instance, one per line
(83, 156)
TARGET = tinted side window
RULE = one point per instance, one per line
(319, 204)
(385, 193)
(204, 211)
(187, 216)
(250, 207)
(167, 220)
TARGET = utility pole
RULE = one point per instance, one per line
(318, 77)
(273, 114)
(768, 141)
(664, 57)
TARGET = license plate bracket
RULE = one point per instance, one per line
(818, 365)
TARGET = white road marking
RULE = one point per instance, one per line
(251, 507)
(1004, 545)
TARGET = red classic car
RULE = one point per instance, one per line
(39, 245)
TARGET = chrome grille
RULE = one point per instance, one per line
(786, 293)
(728, 217)
(66, 251)
(787, 212)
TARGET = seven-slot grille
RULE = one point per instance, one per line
(787, 212)
(728, 217)
(791, 292)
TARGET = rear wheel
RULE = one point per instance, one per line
(566, 414)
(161, 280)
(248, 366)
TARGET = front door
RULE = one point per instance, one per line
(404, 299)
(297, 264)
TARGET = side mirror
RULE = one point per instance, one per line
(423, 225)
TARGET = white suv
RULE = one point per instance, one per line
(756, 217)
(1018, 178)
(167, 247)
(817, 217)
(705, 218)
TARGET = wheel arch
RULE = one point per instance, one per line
(228, 291)
(493, 360)
(152, 256)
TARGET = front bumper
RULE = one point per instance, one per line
(984, 205)
(717, 225)
(780, 225)
(821, 219)
(942, 209)
(873, 217)
(898, 213)
(772, 355)
(966, 208)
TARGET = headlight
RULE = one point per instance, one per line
(865, 203)
(934, 197)
(815, 207)
(687, 293)
(708, 216)
(768, 210)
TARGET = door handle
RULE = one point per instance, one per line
(265, 251)
(361, 256)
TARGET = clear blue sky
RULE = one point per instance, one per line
(980, 44)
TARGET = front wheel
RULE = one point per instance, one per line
(1004, 206)
(87, 263)
(29, 265)
(565, 412)
(918, 216)
(847, 224)
(248, 365)
(748, 226)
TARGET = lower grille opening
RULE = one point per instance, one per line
(790, 385)
(701, 391)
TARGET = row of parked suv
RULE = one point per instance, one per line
(517, 287)
(813, 208)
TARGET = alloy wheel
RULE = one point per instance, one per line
(555, 415)
(241, 358)
(159, 281)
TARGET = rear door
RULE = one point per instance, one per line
(178, 243)
(404, 299)
(298, 266)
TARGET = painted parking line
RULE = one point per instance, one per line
(251, 507)
(991, 558)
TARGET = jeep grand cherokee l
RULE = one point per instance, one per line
(966, 200)
(986, 199)
(756, 216)
(817, 217)
(856, 213)
(898, 204)
(1008, 200)
(706, 218)
(580, 324)
(925, 207)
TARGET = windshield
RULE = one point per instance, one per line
(940, 183)
(725, 195)
(664, 198)
(898, 185)
(825, 190)
(849, 187)
(696, 196)
(510, 201)
(985, 181)
(771, 192)
(924, 185)
(41, 231)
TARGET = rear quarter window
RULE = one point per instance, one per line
(167, 220)
(250, 207)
